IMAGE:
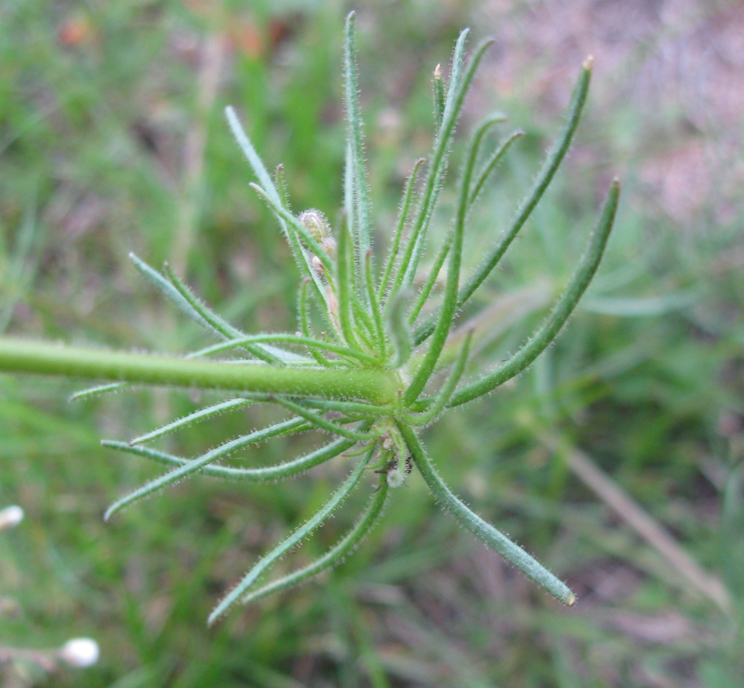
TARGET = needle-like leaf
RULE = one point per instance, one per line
(196, 417)
(283, 428)
(362, 215)
(322, 423)
(284, 470)
(293, 540)
(480, 528)
(560, 313)
(332, 557)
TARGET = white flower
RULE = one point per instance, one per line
(80, 652)
(10, 517)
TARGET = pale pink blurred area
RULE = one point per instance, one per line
(668, 81)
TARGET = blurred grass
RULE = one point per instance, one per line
(112, 139)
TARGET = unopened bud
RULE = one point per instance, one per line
(80, 652)
(317, 265)
(10, 517)
(316, 224)
(329, 246)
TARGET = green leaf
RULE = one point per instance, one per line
(293, 540)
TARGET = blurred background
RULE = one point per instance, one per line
(616, 459)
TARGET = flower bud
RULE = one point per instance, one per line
(316, 224)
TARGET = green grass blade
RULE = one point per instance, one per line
(335, 555)
(484, 531)
(293, 540)
(560, 313)
(283, 428)
(192, 418)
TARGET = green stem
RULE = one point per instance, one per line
(19, 356)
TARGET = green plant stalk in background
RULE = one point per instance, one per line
(367, 377)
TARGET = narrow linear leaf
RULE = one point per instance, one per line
(481, 529)
(348, 407)
(270, 354)
(490, 165)
(435, 173)
(98, 389)
(280, 181)
(362, 228)
(431, 279)
(304, 314)
(192, 418)
(265, 181)
(560, 313)
(449, 302)
(545, 176)
(283, 428)
(294, 539)
(397, 327)
(335, 555)
(344, 273)
(259, 169)
(170, 292)
(392, 258)
(435, 178)
(322, 423)
(379, 330)
(470, 160)
(438, 87)
(284, 470)
(445, 394)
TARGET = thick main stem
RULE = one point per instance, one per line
(20, 356)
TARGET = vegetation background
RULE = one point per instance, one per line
(112, 139)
